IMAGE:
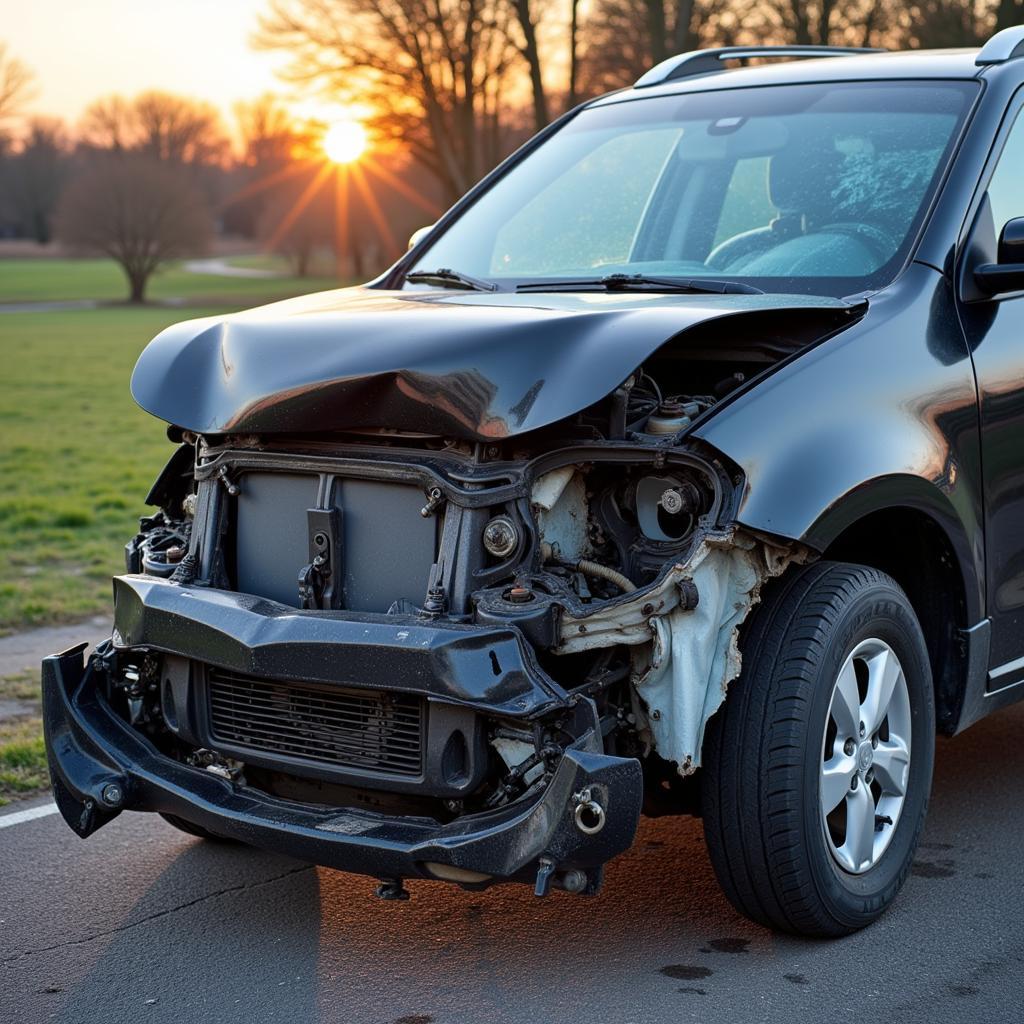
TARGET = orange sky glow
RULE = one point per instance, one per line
(82, 50)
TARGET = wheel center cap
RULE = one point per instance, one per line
(865, 756)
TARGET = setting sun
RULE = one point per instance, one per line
(344, 141)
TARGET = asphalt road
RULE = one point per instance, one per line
(141, 924)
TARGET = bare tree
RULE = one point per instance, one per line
(267, 132)
(804, 23)
(433, 71)
(527, 18)
(15, 83)
(930, 24)
(108, 124)
(138, 211)
(624, 38)
(1008, 13)
(832, 22)
(574, 54)
(161, 125)
(179, 129)
(271, 150)
(298, 223)
(35, 174)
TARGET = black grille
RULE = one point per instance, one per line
(368, 731)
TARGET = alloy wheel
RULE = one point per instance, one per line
(865, 756)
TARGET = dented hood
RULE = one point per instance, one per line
(462, 364)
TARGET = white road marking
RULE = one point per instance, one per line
(6, 820)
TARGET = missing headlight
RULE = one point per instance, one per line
(666, 507)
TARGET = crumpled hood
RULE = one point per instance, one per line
(462, 364)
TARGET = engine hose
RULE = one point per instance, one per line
(602, 572)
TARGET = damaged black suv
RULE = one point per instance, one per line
(678, 469)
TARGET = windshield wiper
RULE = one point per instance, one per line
(445, 277)
(643, 283)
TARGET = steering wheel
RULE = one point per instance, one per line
(879, 241)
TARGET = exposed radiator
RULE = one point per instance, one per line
(385, 548)
(368, 731)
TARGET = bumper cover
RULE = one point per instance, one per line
(489, 667)
(100, 765)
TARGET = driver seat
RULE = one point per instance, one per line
(803, 181)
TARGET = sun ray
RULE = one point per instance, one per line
(342, 239)
(373, 207)
(401, 187)
(303, 200)
(267, 181)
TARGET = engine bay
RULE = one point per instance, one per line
(586, 539)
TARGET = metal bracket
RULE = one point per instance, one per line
(545, 873)
(391, 889)
(224, 476)
(317, 580)
(439, 582)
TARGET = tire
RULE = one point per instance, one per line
(769, 748)
(194, 830)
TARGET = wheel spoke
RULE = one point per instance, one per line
(835, 781)
(846, 702)
(857, 850)
(890, 765)
(857, 765)
(883, 672)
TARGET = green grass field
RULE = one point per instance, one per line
(45, 280)
(22, 753)
(77, 459)
(22, 758)
(77, 455)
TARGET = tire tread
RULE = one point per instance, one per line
(754, 744)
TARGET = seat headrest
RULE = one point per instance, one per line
(802, 180)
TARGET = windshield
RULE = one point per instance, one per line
(800, 188)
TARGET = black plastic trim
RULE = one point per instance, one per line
(94, 756)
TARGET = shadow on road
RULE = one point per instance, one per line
(280, 941)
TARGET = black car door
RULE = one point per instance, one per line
(995, 334)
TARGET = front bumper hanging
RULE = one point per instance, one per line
(100, 766)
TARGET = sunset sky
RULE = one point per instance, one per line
(82, 49)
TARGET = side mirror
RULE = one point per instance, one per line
(420, 233)
(1007, 274)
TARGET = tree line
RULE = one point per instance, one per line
(448, 87)
(154, 177)
(460, 82)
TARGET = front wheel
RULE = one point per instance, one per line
(818, 766)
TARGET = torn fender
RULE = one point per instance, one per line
(685, 657)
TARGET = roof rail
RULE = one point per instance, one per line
(702, 62)
(1003, 46)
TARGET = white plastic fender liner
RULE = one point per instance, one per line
(684, 660)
